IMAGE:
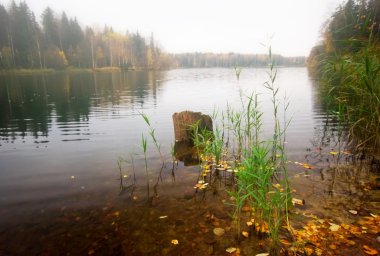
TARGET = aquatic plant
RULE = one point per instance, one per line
(153, 136)
(144, 145)
(262, 179)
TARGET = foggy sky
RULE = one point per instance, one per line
(291, 27)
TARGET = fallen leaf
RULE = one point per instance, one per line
(334, 227)
(368, 250)
(218, 231)
(298, 201)
(262, 254)
(245, 234)
(285, 242)
(246, 209)
(163, 217)
(309, 251)
(249, 223)
(334, 153)
(231, 249)
(307, 166)
(353, 212)
(175, 241)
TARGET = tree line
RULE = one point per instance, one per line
(57, 41)
(205, 60)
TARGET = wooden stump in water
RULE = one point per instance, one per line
(184, 120)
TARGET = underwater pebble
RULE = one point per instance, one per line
(218, 231)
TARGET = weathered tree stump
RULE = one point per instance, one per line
(185, 152)
(183, 122)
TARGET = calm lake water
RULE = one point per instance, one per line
(61, 134)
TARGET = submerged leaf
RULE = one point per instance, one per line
(218, 231)
(285, 242)
(368, 250)
(175, 241)
(307, 166)
(245, 234)
(231, 249)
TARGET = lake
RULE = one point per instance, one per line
(56, 126)
(61, 135)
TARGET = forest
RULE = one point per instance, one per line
(57, 41)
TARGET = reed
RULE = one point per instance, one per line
(262, 179)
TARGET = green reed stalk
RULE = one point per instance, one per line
(144, 145)
(153, 136)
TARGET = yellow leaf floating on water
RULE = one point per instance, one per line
(201, 186)
(298, 201)
(262, 254)
(307, 166)
(368, 250)
(175, 242)
(245, 234)
(304, 165)
(334, 153)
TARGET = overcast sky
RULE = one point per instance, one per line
(206, 25)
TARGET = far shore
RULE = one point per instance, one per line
(26, 71)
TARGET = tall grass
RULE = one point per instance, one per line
(263, 164)
(349, 73)
(351, 83)
(260, 165)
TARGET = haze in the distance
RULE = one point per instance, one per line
(291, 27)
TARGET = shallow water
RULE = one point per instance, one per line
(61, 135)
